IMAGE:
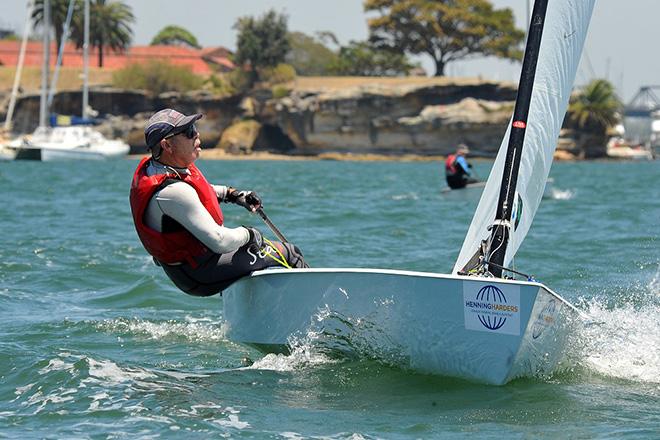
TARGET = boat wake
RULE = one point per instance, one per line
(333, 337)
(624, 343)
(560, 194)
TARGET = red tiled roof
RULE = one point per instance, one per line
(177, 55)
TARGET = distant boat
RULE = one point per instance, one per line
(621, 149)
(75, 142)
(475, 323)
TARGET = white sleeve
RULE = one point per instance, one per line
(181, 202)
(220, 191)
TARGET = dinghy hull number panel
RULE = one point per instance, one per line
(492, 308)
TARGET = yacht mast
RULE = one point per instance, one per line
(85, 96)
(19, 67)
(502, 225)
(43, 107)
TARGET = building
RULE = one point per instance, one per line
(200, 61)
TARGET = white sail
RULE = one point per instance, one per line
(563, 38)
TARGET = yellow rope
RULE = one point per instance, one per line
(281, 261)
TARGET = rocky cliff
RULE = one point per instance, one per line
(427, 116)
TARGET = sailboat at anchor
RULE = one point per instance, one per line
(73, 142)
(476, 323)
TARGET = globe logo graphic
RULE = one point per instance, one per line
(492, 294)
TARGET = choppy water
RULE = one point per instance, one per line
(95, 342)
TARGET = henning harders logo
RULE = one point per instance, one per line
(491, 296)
(492, 308)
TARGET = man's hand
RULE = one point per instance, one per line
(247, 199)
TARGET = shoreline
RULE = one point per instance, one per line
(212, 154)
(217, 154)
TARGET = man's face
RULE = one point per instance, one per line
(185, 150)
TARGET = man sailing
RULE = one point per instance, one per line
(457, 168)
(177, 214)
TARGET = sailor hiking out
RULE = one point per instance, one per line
(458, 170)
(178, 218)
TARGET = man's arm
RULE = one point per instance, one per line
(181, 202)
(463, 164)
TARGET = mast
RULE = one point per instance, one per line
(19, 67)
(60, 54)
(85, 96)
(43, 107)
(502, 224)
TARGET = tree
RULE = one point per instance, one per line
(109, 26)
(308, 56)
(175, 36)
(591, 112)
(261, 42)
(360, 58)
(58, 11)
(446, 30)
(595, 107)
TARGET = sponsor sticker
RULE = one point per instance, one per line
(545, 319)
(492, 308)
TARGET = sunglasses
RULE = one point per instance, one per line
(190, 132)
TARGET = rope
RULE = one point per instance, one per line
(280, 260)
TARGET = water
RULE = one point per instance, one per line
(95, 342)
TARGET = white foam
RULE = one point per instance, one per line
(56, 365)
(111, 373)
(232, 422)
(625, 343)
(193, 329)
(561, 194)
(303, 354)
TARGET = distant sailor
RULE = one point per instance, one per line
(457, 169)
(178, 218)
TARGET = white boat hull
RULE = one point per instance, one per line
(481, 329)
(67, 143)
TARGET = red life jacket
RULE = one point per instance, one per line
(450, 164)
(170, 247)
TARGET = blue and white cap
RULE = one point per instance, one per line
(163, 123)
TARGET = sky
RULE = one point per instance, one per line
(618, 47)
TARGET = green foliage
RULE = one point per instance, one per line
(239, 80)
(262, 42)
(231, 83)
(280, 91)
(175, 36)
(446, 30)
(308, 56)
(595, 107)
(362, 59)
(110, 26)
(156, 77)
(279, 74)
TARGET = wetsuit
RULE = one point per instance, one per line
(174, 207)
(457, 172)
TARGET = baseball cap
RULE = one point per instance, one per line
(163, 123)
(463, 149)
